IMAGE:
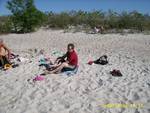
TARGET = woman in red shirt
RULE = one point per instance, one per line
(70, 61)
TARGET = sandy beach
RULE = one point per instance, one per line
(93, 89)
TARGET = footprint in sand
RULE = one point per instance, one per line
(100, 82)
(135, 96)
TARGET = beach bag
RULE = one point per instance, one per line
(102, 60)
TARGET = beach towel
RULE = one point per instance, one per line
(38, 78)
(69, 71)
(42, 61)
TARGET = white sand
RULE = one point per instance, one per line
(88, 90)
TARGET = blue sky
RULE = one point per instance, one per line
(142, 6)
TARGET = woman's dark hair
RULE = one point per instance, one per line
(71, 45)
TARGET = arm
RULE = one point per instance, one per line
(60, 58)
(64, 56)
(7, 49)
(67, 61)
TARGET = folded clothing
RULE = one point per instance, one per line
(38, 78)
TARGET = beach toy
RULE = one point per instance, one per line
(90, 62)
(7, 66)
(38, 78)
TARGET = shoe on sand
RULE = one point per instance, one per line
(116, 73)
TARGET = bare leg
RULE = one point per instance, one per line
(57, 70)
(55, 66)
(2, 61)
(8, 59)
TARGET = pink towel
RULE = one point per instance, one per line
(38, 78)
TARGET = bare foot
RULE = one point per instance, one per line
(48, 72)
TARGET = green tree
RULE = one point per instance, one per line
(5, 24)
(95, 18)
(112, 19)
(26, 17)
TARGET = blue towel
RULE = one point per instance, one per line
(42, 61)
(70, 72)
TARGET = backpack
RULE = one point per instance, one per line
(102, 60)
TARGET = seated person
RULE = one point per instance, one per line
(96, 30)
(68, 62)
(4, 54)
(99, 29)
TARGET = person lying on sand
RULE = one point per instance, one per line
(4, 54)
(68, 62)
